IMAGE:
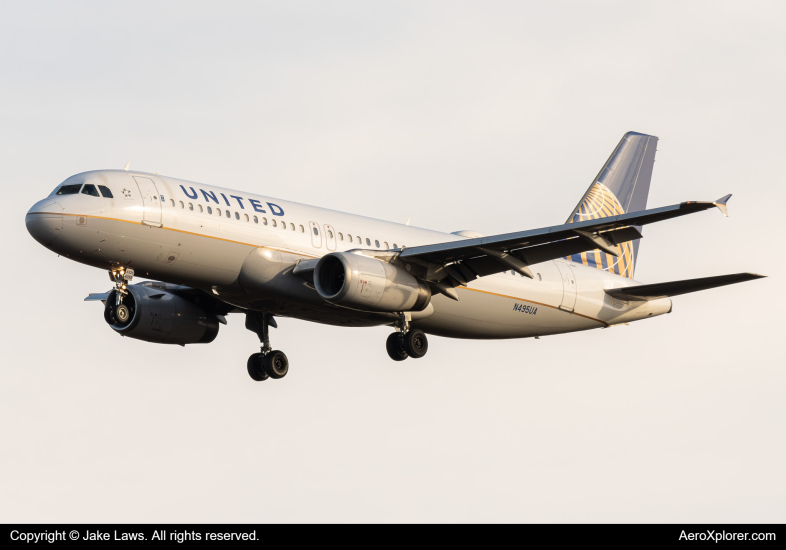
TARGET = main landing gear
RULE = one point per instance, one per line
(406, 342)
(268, 363)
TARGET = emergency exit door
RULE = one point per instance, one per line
(150, 201)
(330, 237)
(316, 236)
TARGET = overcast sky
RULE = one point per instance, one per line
(492, 116)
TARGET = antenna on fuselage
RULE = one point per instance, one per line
(409, 219)
(128, 165)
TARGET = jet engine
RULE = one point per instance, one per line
(159, 316)
(365, 283)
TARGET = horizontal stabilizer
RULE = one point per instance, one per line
(675, 288)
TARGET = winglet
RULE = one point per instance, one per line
(128, 165)
(721, 204)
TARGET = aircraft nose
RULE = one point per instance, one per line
(45, 221)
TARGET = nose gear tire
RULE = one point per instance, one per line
(122, 314)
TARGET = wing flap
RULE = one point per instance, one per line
(675, 288)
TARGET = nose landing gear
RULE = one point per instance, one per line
(120, 313)
(269, 363)
(406, 342)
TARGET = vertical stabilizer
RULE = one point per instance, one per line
(621, 186)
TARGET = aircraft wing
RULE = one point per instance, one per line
(457, 262)
(675, 288)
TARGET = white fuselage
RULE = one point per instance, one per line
(243, 247)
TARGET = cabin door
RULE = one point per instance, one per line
(150, 200)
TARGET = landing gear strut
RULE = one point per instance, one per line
(269, 363)
(120, 313)
(406, 342)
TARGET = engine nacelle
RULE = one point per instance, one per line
(161, 317)
(366, 283)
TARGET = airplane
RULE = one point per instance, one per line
(208, 251)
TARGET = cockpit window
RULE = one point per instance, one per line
(105, 191)
(90, 189)
(69, 189)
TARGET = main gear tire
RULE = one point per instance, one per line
(416, 343)
(395, 346)
(255, 367)
(276, 364)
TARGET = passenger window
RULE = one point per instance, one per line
(105, 192)
(284, 226)
(539, 278)
(360, 241)
(245, 216)
(228, 213)
(209, 210)
(349, 237)
(376, 243)
(330, 234)
(69, 189)
(386, 245)
(172, 201)
(200, 207)
(237, 216)
(368, 241)
(302, 229)
(292, 226)
(316, 231)
(264, 221)
(395, 245)
(90, 189)
(218, 211)
(273, 223)
(191, 206)
(256, 220)
(340, 236)
(182, 205)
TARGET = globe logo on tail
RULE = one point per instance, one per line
(600, 202)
